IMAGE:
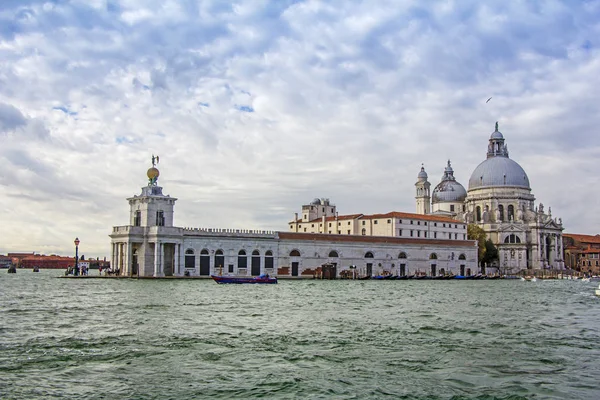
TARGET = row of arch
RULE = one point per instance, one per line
(510, 215)
(203, 252)
(369, 254)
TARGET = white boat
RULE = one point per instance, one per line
(528, 279)
(598, 291)
(585, 280)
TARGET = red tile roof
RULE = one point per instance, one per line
(323, 237)
(340, 217)
(396, 214)
(583, 238)
(393, 214)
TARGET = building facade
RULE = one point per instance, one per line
(582, 252)
(500, 201)
(150, 245)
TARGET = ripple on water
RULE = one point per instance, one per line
(304, 339)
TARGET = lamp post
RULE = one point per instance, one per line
(76, 256)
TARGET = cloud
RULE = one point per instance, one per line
(256, 107)
(10, 118)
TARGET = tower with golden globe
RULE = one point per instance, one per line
(153, 172)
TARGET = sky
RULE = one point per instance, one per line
(257, 107)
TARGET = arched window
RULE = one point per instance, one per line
(219, 260)
(433, 256)
(268, 259)
(294, 253)
(501, 212)
(190, 258)
(242, 259)
(511, 212)
(402, 255)
(364, 231)
(368, 254)
(333, 253)
(478, 211)
(512, 238)
(204, 262)
(255, 270)
(462, 257)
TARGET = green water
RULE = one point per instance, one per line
(181, 339)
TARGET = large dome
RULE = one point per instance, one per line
(498, 171)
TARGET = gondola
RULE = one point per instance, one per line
(261, 279)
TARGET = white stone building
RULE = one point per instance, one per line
(396, 243)
(500, 201)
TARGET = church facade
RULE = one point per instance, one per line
(500, 201)
(150, 245)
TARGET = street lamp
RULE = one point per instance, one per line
(76, 256)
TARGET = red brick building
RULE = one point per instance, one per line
(47, 262)
(582, 252)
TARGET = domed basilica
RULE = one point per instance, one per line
(500, 201)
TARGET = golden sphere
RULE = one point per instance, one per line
(152, 173)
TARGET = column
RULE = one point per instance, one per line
(156, 255)
(125, 270)
(120, 262)
(176, 259)
(162, 259)
(113, 255)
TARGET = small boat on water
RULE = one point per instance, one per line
(12, 269)
(36, 269)
(529, 279)
(598, 291)
(244, 279)
(383, 277)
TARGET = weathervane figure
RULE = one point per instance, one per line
(154, 160)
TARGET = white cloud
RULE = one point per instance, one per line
(258, 107)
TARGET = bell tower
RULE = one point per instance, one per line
(423, 196)
(151, 207)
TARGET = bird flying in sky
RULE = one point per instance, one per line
(488, 100)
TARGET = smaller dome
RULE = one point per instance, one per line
(497, 135)
(422, 175)
(153, 173)
(316, 202)
(449, 191)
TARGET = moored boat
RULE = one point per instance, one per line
(244, 279)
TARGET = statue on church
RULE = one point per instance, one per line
(550, 211)
(155, 160)
(486, 215)
(498, 215)
(496, 126)
(520, 214)
(541, 208)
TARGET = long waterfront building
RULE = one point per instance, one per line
(397, 243)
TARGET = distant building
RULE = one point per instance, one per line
(5, 261)
(47, 262)
(582, 252)
(395, 243)
(499, 200)
(17, 257)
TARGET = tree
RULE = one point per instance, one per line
(475, 232)
(491, 252)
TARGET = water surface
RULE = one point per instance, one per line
(180, 339)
